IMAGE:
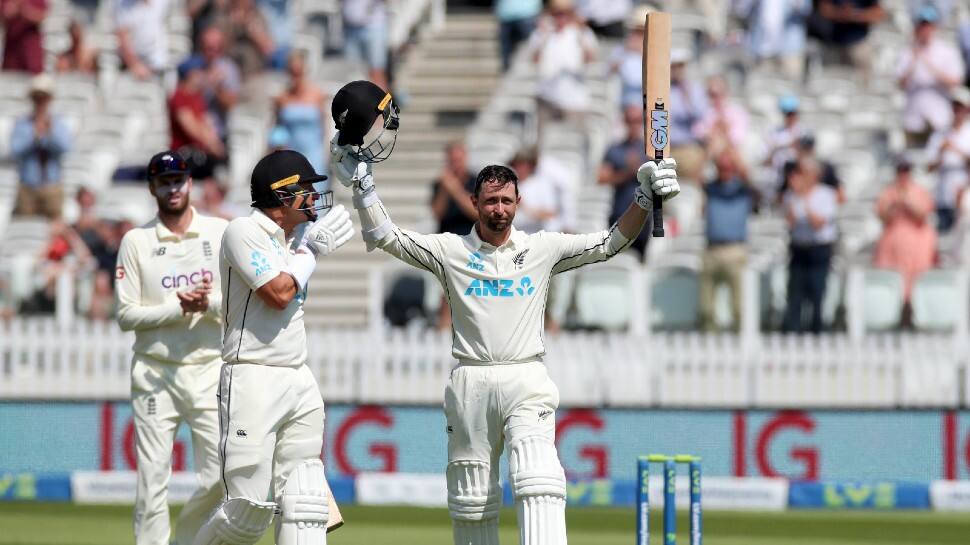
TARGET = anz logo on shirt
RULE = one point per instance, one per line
(475, 262)
(501, 287)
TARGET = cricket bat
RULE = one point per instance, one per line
(336, 520)
(656, 96)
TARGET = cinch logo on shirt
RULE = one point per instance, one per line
(185, 280)
(502, 287)
(475, 262)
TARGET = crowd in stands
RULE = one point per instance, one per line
(235, 42)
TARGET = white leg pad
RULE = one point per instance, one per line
(304, 506)
(238, 521)
(542, 520)
(480, 532)
(473, 493)
(534, 468)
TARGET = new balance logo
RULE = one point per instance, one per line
(160, 251)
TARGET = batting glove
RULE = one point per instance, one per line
(657, 179)
(347, 169)
(328, 233)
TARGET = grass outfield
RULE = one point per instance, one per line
(66, 524)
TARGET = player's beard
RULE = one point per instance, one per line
(498, 224)
(168, 208)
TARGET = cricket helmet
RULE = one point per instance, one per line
(276, 180)
(167, 163)
(356, 109)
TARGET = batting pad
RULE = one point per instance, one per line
(534, 468)
(482, 532)
(542, 520)
(304, 508)
(238, 521)
(473, 491)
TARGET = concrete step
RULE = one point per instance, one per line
(445, 67)
(478, 85)
(425, 104)
(458, 48)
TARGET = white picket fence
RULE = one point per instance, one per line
(40, 359)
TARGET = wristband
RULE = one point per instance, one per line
(301, 268)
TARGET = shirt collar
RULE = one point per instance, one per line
(266, 223)
(163, 233)
(516, 239)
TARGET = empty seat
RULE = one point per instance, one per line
(674, 295)
(604, 294)
(936, 300)
(882, 299)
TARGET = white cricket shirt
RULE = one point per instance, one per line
(153, 264)
(255, 251)
(498, 295)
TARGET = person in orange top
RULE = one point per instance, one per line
(908, 242)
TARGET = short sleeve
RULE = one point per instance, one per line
(248, 252)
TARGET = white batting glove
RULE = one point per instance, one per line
(328, 233)
(657, 179)
(347, 169)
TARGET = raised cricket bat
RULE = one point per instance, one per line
(656, 96)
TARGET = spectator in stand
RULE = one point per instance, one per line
(63, 242)
(23, 44)
(204, 13)
(85, 10)
(37, 143)
(626, 60)
(100, 238)
(908, 241)
(365, 37)
(142, 36)
(926, 73)
(516, 21)
(220, 80)
(776, 33)
(963, 35)
(606, 18)
(451, 205)
(730, 199)
(810, 208)
(248, 40)
(688, 105)
(783, 142)
(804, 150)
(619, 169)
(950, 149)
(561, 47)
(79, 56)
(846, 29)
(725, 123)
(213, 201)
(300, 110)
(194, 135)
(541, 206)
(279, 24)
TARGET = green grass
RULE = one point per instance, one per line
(66, 524)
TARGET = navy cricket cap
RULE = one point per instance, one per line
(280, 170)
(354, 109)
(167, 163)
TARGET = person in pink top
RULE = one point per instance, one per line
(908, 242)
(725, 123)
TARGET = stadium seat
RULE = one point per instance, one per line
(604, 293)
(673, 285)
(882, 299)
(934, 300)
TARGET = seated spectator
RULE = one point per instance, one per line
(142, 36)
(365, 37)
(540, 208)
(100, 239)
(248, 40)
(950, 149)
(63, 242)
(810, 208)
(845, 28)
(730, 199)
(783, 141)
(606, 17)
(79, 56)
(220, 79)
(451, 205)
(776, 34)
(805, 149)
(23, 43)
(619, 169)
(561, 47)
(37, 144)
(626, 61)
(688, 104)
(204, 14)
(213, 201)
(725, 123)
(963, 35)
(300, 110)
(926, 73)
(194, 135)
(516, 21)
(279, 24)
(908, 241)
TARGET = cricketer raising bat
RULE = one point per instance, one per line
(656, 95)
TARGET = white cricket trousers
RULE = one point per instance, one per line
(271, 419)
(163, 395)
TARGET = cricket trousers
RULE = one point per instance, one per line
(163, 395)
(271, 419)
